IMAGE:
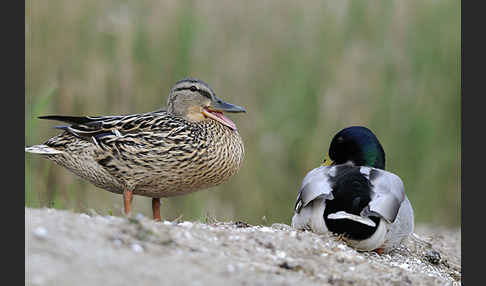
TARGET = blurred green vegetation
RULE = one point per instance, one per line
(303, 72)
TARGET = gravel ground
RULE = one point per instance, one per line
(66, 248)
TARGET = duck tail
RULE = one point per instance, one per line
(42, 149)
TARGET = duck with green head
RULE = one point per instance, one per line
(352, 195)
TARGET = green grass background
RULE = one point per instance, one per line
(302, 70)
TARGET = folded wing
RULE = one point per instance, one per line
(315, 184)
(388, 194)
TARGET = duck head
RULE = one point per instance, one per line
(195, 101)
(357, 145)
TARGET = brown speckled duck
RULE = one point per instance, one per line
(188, 147)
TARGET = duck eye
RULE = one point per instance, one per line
(193, 88)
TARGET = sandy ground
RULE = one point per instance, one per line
(66, 248)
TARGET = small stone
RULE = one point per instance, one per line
(40, 232)
(281, 254)
(433, 256)
(290, 266)
(137, 248)
(241, 224)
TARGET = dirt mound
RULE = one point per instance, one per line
(65, 248)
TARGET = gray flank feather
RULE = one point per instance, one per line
(388, 194)
(315, 184)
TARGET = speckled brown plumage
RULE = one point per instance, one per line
(156, 154)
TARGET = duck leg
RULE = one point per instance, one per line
(127, 201)
(156, 209)
(380, 251)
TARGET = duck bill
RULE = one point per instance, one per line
(216, 110)
(327, 161)
(221, 106)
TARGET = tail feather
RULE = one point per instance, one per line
(68, 119)
(42, 149)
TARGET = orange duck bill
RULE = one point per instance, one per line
(216, 109)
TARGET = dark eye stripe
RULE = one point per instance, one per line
(191, 88)
(205, 93)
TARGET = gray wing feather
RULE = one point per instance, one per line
(388, 194)
(402, 227)
(315, 184)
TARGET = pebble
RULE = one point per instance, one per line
(40, 232)
(281, 254)
(433, 256)
(137, 248)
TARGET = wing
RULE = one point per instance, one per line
(315, 184)
(310, 204)
(388, 194)
(102, 128)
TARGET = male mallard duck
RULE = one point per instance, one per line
(188, 147)
(352, 195)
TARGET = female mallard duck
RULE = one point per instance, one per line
(352, 195)
(190, 147)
